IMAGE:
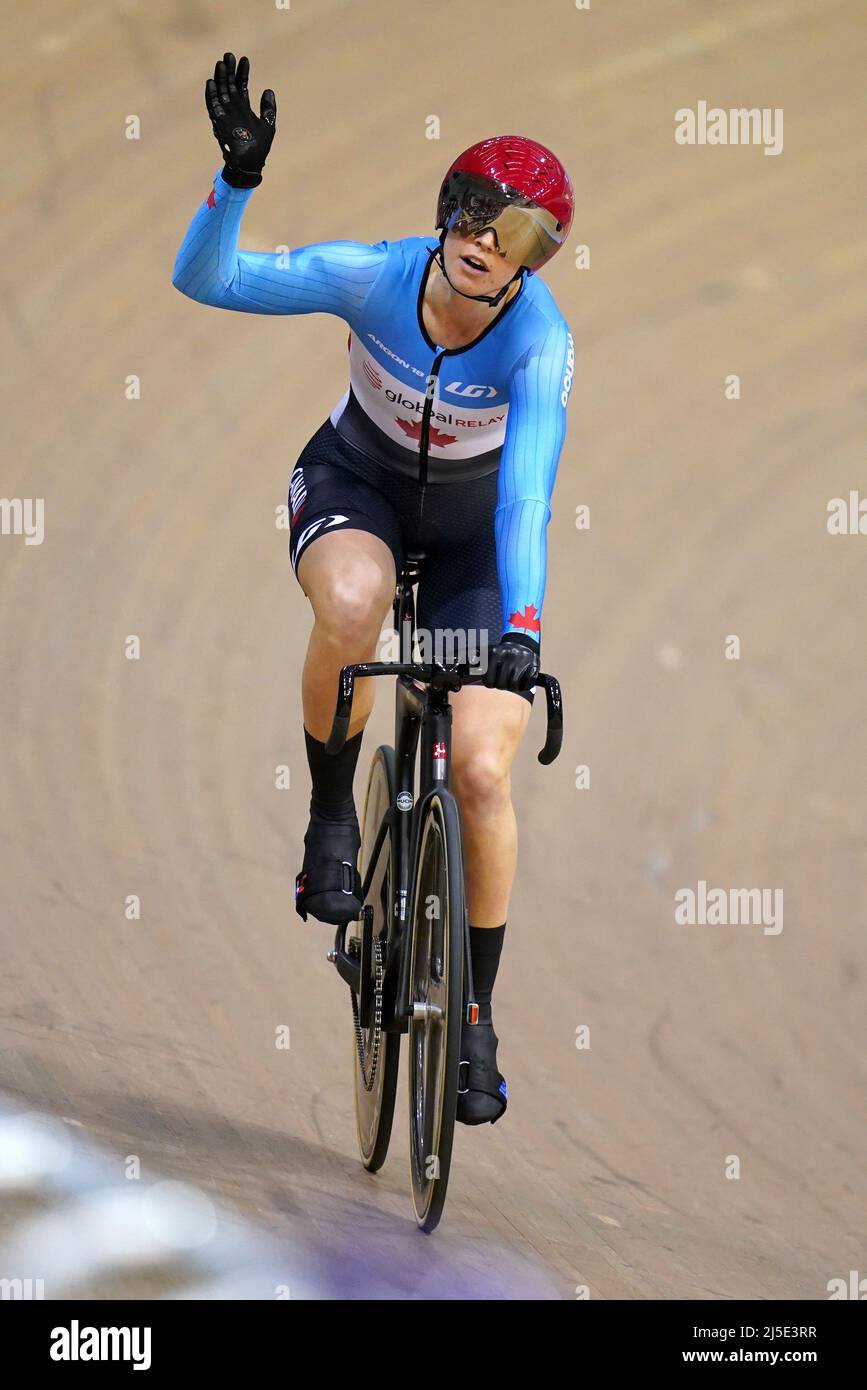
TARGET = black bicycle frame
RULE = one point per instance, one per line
(422, 714)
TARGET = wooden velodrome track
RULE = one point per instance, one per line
(708, 518)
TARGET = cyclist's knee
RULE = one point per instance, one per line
(480, 777)
(352, 601)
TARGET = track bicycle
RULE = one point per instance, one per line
(406, 959)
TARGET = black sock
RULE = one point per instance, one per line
(486, 943)
(332, 777)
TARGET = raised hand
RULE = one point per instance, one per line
(244, 138)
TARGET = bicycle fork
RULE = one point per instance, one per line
(423, 724)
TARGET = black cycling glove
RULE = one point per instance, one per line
(513, 664)
(244, 139)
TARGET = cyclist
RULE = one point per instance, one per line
(447, 440)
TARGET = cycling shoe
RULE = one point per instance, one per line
(329, 886)
(482, 1093)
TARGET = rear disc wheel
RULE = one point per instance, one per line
(376, 1053)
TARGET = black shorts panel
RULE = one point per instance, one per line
(328, 498)
(336, 486)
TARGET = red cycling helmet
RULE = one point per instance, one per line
(515, 187)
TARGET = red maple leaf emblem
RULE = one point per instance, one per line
(527, 619)
(412, 429)
(437, 437)
(212, 198)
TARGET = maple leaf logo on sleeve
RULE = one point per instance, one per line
(526, 619)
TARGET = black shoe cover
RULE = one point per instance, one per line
(482, 1093)
(328, 886)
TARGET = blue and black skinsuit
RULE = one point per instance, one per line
(453, 451)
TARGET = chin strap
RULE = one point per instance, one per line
(492, 299)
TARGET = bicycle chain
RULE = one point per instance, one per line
(377, 1019)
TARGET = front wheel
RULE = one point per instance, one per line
(436, 978)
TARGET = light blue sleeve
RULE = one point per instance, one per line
(333, 277)
(539, 388)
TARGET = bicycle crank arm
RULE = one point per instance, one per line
(348, 966)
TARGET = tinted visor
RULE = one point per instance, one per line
(525, 233)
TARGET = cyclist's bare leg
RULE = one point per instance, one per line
(487, 729)
(488, 726)
(349, 578)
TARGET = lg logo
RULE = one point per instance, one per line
(458, 388)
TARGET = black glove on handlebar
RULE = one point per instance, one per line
(244, 139)
(513, 664)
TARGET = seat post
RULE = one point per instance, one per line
(404, 602)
